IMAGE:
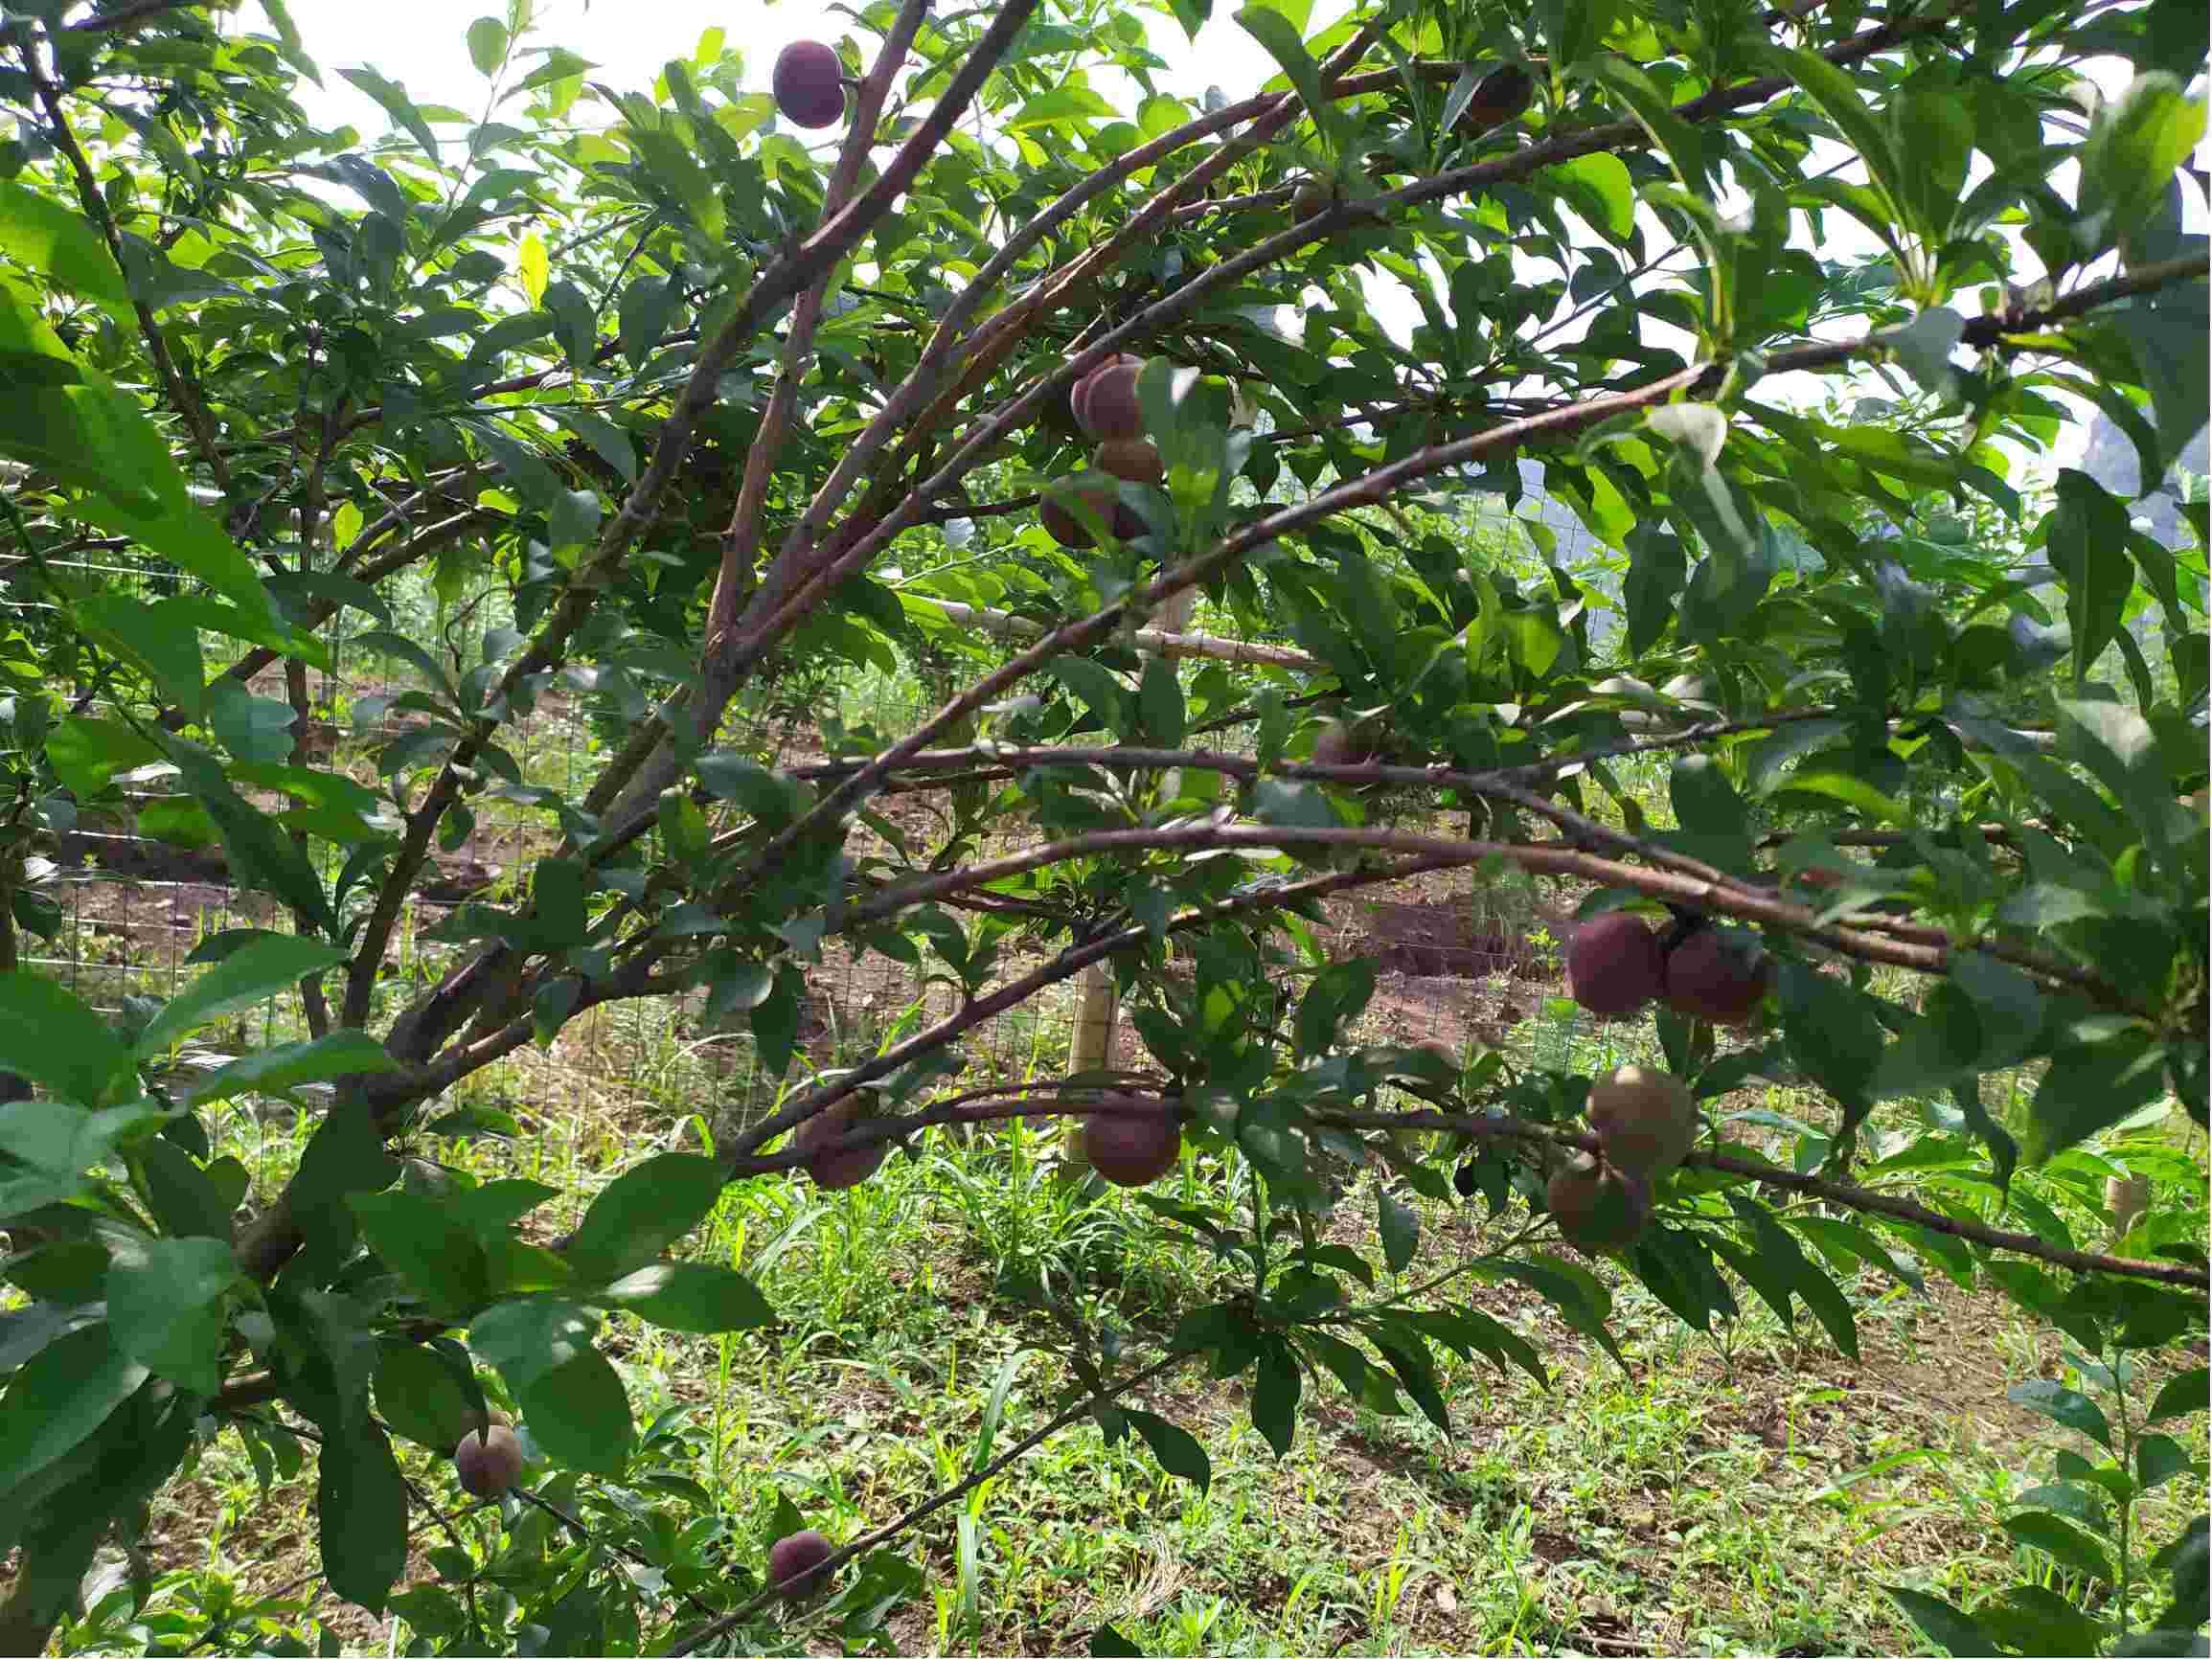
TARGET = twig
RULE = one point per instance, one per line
(1081, 1408)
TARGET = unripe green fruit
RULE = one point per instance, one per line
(1134, 458)
(1713, 977)
(1614, 966)
(1109, 406)
(809, 84)
(1645, 1118)
(1131, 1148)
(488, 1464)
(793, 1562)
(1597, 1207)
(833, 1169)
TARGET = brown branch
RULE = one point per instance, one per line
(183, 396)
(1066, 966)
(732, 583)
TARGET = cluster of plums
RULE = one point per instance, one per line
(1133, 1146)
(1646, 1123)
(1105, 405)
(809, 84)
(1616, 966)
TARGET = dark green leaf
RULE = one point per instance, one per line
(53, 1040)
(1943, 1623)
(1276, 1384)
(2191, 1391)
(1178, 1452)
(689, 1296)
(642, 1212)
(164, 1303)
(361, 1508)
(59, 1397)
(420, 1240)
(2062, 1540)
(2062, 1404)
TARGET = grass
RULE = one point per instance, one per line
(1697, 1502)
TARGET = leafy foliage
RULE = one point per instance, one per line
(720, 420)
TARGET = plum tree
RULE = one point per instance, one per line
(489, 1461)
(1614, 965)
(1717, 976)
(710, 426)
(1597, 1206)
(795, 1560)
(1645, 1119)
(1132, 1148)
(809, 83)
(836, 1168)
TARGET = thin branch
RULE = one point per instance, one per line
(183, 396)
(1081, 1408)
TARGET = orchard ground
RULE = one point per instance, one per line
(1739, 1493)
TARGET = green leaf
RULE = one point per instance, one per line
(1178, 1452)
(689, 1296)
(2136, 143)
(1060, 106)
(1276, 1384)
(2062, 1405)
(1400, 1227)
(2087, 534)
(527, 1339)
(2095, 1078)
(1160, 703)
(422, 1241)
(402, 109)
(1831, 89)
(253, 974)
(63, 246)
(88, 754)
(1100, 691)
(65, 1392)
(1279, 36)
(1598, 188)
(186, 1199)
(258, 851)
(273, 1071)
(2158, 1458)
(1108, 1643)
(486, 45)
(2062, 1540)
(164, 1302)
(579, 1415)
(1943, 1623)
(361, 1515)
(53, 1040)
(642, 1212)
(165, 643)
(2191, 1391)
(419, 1395)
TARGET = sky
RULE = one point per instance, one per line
(420, 44)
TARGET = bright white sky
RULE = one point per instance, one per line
(420, 43)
